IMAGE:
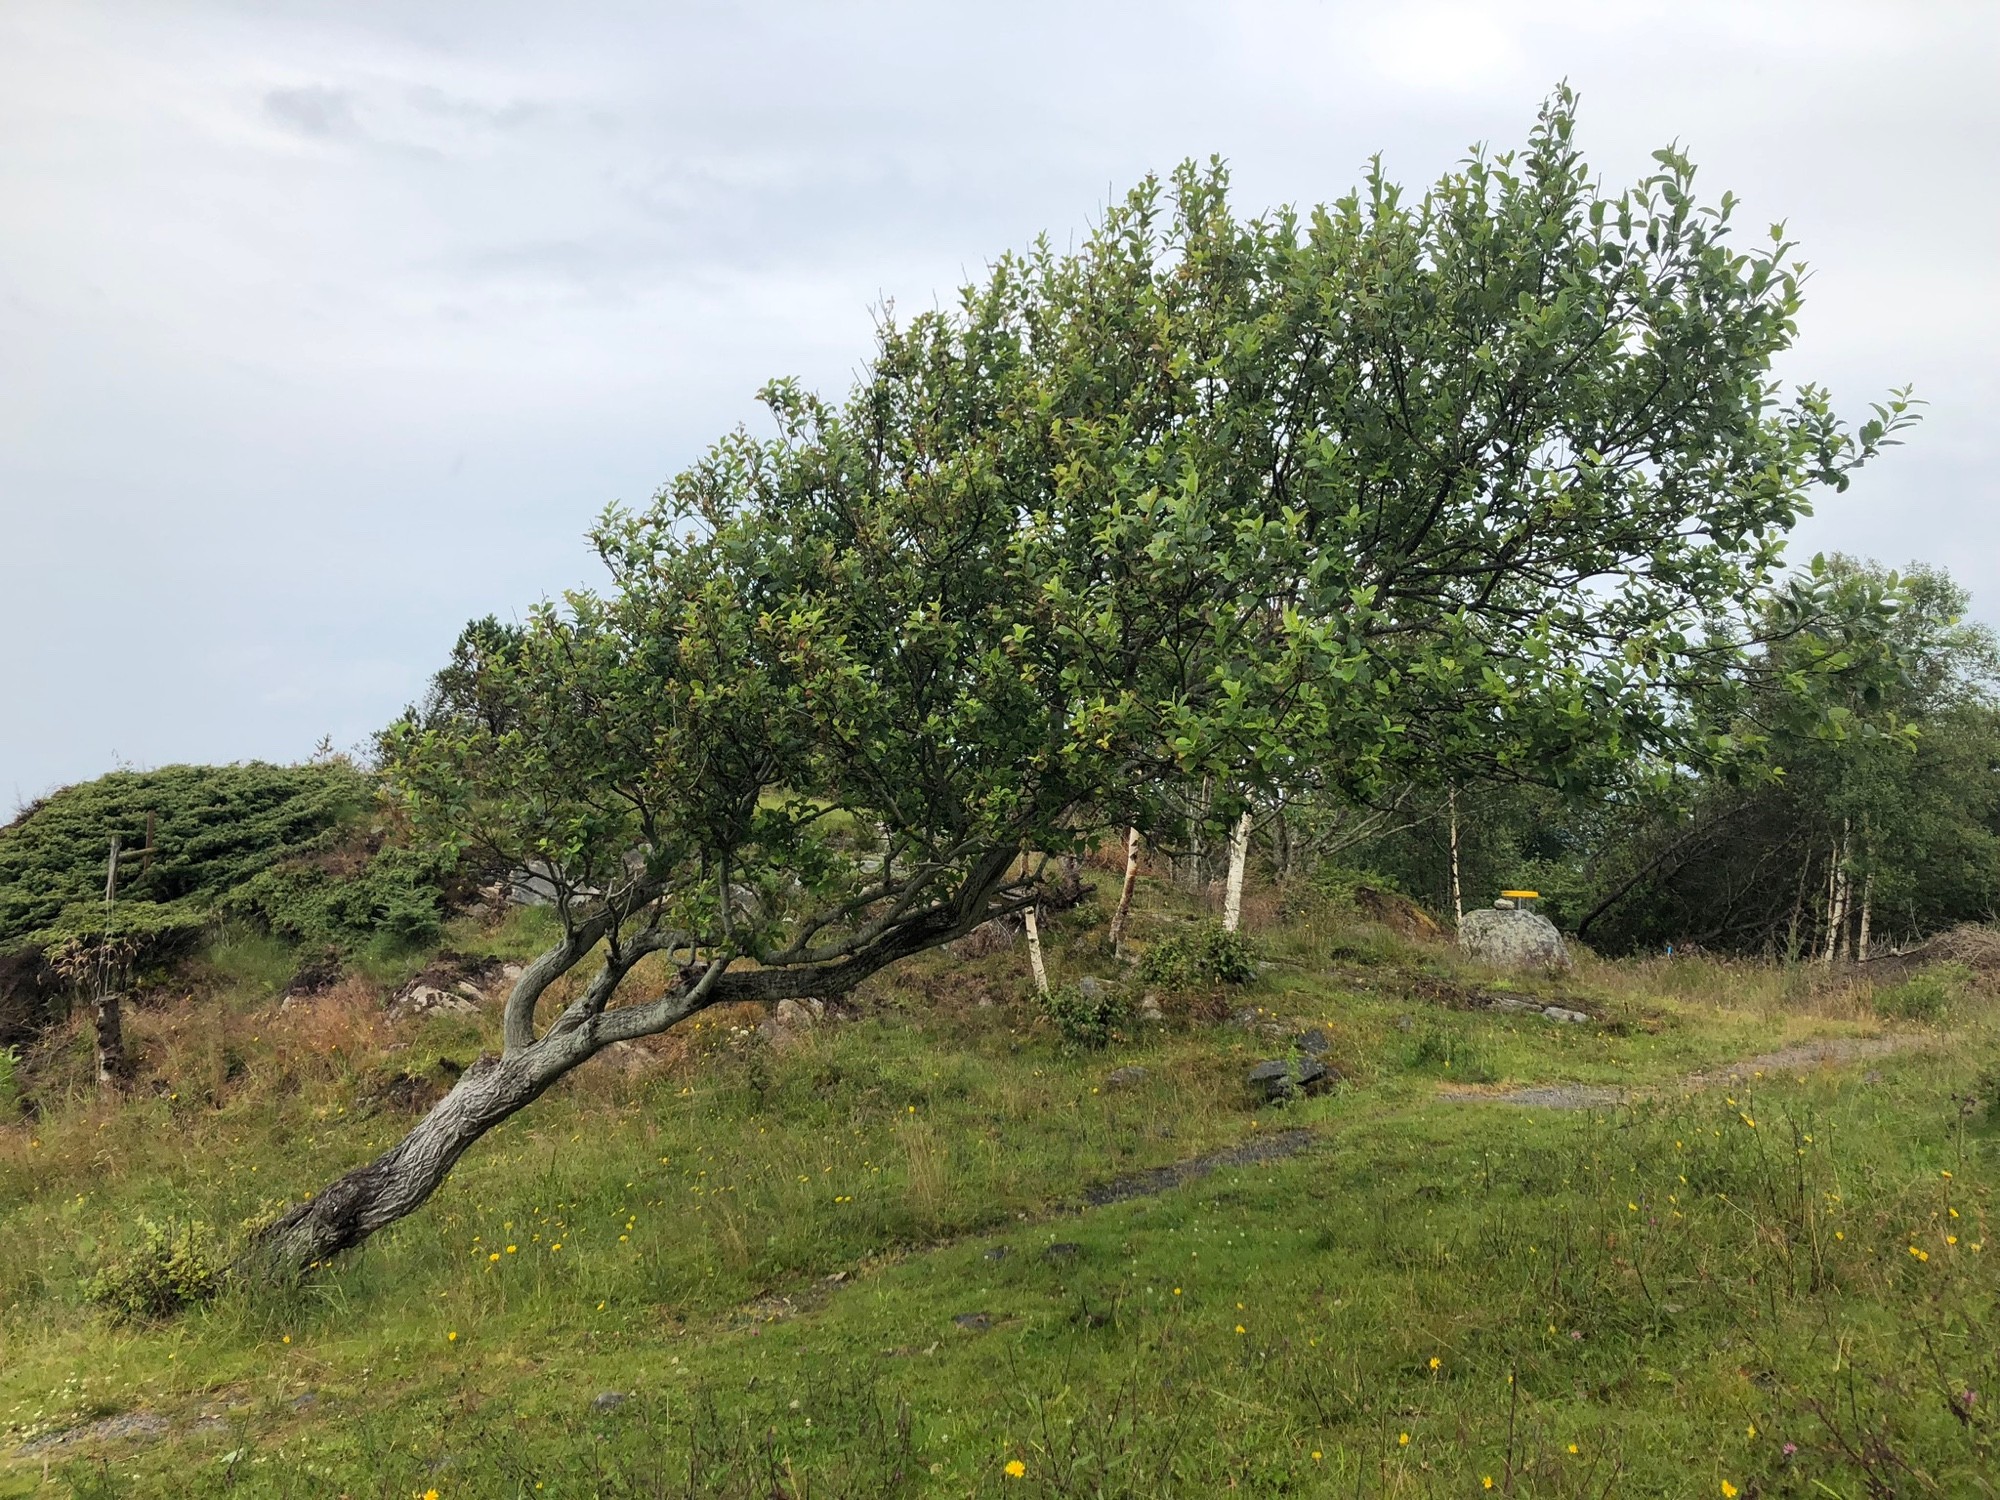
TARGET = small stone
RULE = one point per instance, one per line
(1062, 1250)
(1315, 1042)
(1557, 1013)
(470, 991)
(512, 972)
(305, 1401)
(1124, 1078)
(977, 1322)
(1149, 1007)
(1404, 1023)
(1090, 987)
(996, 1252)
(1510, 1003)
(605, 1401)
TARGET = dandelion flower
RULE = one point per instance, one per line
(511, 1249)
(1316, 1455)
(1572, 1447)
(1435, 1362)
(1486, 1481)
(1728, 1490)
(1015, 1468)
(288, 1338)
(452, 1337)
(1402, 1440)
(1239, 1328)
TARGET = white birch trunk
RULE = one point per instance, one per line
(1124, 912)
(1035, 949)
(1239, 856)
(1867, 903)
(1457, 894)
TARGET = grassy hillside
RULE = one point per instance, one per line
(924, 1250)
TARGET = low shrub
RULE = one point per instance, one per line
(1924, 996)
(171, 1269)
(1200, 956)
(10, 1082)
(1088, 1016)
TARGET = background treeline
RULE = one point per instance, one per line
(1833, 830)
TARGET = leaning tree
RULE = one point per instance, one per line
(1393, 482)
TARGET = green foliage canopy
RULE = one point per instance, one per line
(1472, 479)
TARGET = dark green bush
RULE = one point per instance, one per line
(1201, 956)
(170, 1270)
(394, 896)
(1086, 1020)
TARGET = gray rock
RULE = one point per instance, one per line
(792, 1020)
(977, 1322)
(605, 1401)
(1557, 1013)
(470, 991)
(305, 1401)
(421, 1000)
(512, 972)
(1090, 987)
(1149, 1007)
(1124, 1078)
(1512, 938)
(997, 1252)
(1062, 1250)
(1281, 1078)
(1510, 1003)
(126, 1427)
(1315, 1042)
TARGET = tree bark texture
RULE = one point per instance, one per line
(1457, 892)
(1124, 912)
(1239, 856)
(1035, 950)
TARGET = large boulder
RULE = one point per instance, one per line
(1511, 937)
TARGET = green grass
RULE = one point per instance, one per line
(766, 1254)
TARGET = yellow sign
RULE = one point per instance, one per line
(1522, 895)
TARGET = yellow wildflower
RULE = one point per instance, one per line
(1728, 1490)
(1015, 1468)
(1402, 1440)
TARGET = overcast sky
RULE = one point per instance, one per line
(324, 328)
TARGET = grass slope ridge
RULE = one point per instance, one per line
(865, 1264)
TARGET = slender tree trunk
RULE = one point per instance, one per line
(1239, 856)
(1124, 912)
(1836, 900)
(114, 1066)
(1798, 908)
(1457, 894)
(1035, 949)
(1867, 904)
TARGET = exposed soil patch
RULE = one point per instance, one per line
(1829, 1053)
(1273, 1147)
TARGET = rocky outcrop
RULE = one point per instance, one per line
(1510, 937)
